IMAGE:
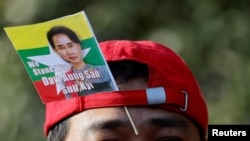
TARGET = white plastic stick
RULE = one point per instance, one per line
(131, 120)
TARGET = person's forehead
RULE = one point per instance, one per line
(114, 121)
(140, 115)
(60, 36)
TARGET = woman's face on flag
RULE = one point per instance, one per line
(67, 49)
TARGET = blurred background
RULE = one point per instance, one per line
(211, 35)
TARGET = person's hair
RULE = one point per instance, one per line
(59, 131)
(124, 71)
(61, 30)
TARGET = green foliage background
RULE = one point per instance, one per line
(211, 35)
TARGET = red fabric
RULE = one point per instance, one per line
(166, 70)
(51, 94)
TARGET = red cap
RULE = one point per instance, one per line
(172, 86)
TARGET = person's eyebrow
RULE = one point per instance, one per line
(167, 122)
(69, 43)
(59, 45)
(108, 124)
